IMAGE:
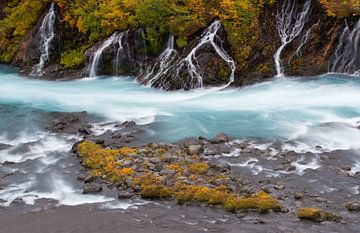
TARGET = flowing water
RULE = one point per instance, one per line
(289, 23)
(301, 113)
(191, 64)
(346, 58)
(47, 34)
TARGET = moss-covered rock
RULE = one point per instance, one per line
(317, 215)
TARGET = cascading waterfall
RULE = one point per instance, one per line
(47, 34)
(119, 52)
(191, 64)
(289, 24)
(346, 58)
(95, 59)
(163, 63)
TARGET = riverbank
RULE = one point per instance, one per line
(294, 179)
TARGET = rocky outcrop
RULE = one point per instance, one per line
(29, 52)
(124, 55)
(207, 60)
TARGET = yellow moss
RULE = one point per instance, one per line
(317, 215)
(261, 201)
(198, 168)
(104, 161)
(156, 192)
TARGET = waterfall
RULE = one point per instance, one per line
(163, 63)
(96, 57)
(119, 51)
(190, 62)
(47, 34)
(289, 24)
(346, 58)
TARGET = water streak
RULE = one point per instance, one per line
(96, 57)
(191, 64)
(346, 58)
(163, 62)
(289, 24)
(47, 34)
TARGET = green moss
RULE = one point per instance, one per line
(73, 58)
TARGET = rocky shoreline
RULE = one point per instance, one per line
(213, 171)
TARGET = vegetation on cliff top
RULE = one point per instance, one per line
(96, 19)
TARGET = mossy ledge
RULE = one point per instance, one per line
(185, 178)
(317, 215)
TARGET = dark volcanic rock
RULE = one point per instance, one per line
(4, 146)
(92, 188)
(220, 138)
(69, 123)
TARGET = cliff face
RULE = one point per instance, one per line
(209, 57)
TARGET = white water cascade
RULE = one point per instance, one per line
(95, 58)
(163, 63)
(191, 64)
(47, 34)
(289, 24)
(346, 58)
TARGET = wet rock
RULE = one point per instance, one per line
(191, 141)
(92, 188)
(219, 165)
(299, 195)
(279, 186)
(85, 177)
(124, 195)
(353, 206)
(18, 201)
(84, 131)
(8, 163)
(128, 124)
(195, 149)
(220, 138)
(4, 146)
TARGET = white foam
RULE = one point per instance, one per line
(301, 165)
(251, 163)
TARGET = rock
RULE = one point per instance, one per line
(18, 201)
(299, 195)
(85, 177)
(84, 131)
(4, 146)
(279, 186)
(92, 188)
(346, 168)
(191, 141)
(320, 199)
(128, 124)
(8, 163)
(220, 138)
(219, 165)
(124, 195)
(353, 206)
(213, 149)
(195, 149)
(169, 158)
(155, 160)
